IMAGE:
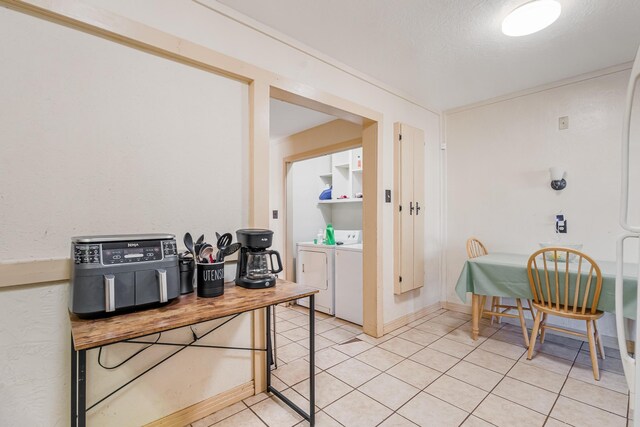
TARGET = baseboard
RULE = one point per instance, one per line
(206, 407)
(460, 308)
(408, 318)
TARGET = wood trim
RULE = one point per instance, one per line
(34, 272)
(372, 253)
(328, 149)
(259, 146)
(110, 26)
(460, 308)
(259, 357)
(206, 407)
(408, 318)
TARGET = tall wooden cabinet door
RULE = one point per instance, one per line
(409, 224)
(419, 217)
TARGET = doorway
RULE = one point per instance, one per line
(340, 143)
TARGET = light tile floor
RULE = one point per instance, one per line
(430, 373)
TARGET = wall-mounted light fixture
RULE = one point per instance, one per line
(557, 178)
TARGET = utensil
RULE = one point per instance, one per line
(200, 240)
(226, 251)
(188, 243)
(206, 251)
(223, 241)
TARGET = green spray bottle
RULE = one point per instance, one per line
(330, 236)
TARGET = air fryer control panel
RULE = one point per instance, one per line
(112, 273)
(124, 252)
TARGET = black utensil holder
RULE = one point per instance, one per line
(210, 279)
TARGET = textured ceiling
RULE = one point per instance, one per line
(449, 53)
(287, 119)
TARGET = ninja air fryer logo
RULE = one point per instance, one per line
(133, 245)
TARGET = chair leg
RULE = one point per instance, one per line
(483, 301)
(534, 335)
(525, 333)
(598, 340)
(592, 351)
(533, 315)
(498, 302)
(543, 327)
(494, 302)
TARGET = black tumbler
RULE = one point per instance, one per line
(210, 279)
(187, 266)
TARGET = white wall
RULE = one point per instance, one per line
(97, 138)
(308, 217)
(498, 156)
(192, 21)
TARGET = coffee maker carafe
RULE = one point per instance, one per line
(253, 269)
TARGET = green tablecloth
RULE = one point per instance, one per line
(505, 275)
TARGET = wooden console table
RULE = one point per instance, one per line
(186, 310)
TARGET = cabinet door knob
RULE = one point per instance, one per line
(411, 208)
(417, 208)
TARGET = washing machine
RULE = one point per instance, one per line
(348, 283)
(315, 268)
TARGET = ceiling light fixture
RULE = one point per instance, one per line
(531, 17)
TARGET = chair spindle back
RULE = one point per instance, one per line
(551, 283)
(475, 248)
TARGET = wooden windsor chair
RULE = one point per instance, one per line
(498, 310)
(551, 284)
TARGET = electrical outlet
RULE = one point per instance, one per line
(563, 122)
(387, 196)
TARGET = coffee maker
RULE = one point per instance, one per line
(253, 271)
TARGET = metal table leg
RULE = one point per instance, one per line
(78, 387)
(311, 416)
(82, 388)
(74, 385)
(275, 343)
(312, 360)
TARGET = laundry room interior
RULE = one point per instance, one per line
(323, 194)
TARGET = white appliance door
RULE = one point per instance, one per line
(631, 371)
(312, 269)
(628, 362)
(349, 285)
(626, 140)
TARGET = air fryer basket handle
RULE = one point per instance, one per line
(277, 254)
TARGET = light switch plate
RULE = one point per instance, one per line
(387, 196)
(563, 123)
(275, 214)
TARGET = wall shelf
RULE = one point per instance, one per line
(334, 201)
(326, 175)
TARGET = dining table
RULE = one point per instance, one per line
(505, 275)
